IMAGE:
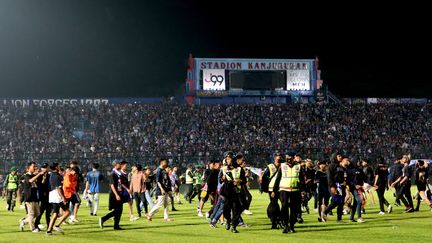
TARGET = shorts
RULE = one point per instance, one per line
(74, 199)
(367, 187)
(56, 207)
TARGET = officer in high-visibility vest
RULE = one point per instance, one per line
(234, 178)
(11, 185)
(289, 182)
(269, 176)
(189, 183)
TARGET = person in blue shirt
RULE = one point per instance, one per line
(92, 189)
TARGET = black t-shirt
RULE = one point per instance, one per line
(43, 186)
(116, 181)
(369, 175)
(382, 172)
(212, 181)
(149, 182)
(321, 179)
(55, 181)
(30, 189)
(421, 176)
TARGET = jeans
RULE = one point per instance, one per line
(357, 205)
(149, 199)
(218, 210)
(139, 197)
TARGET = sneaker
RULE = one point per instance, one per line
(101, 223)
(244, 225)
(389, 209)
(36, 230)
(212, 225)
(149, 218)
(381, 213)
(133, 218)
(48, 233)
(200, 214)
(353, 221)
(247, 212)
(58, 229)
(21, 224)
(360, 220)
(323, 217)
(207, 215)
(409, 210)
(168, 220)
(41, 226)
(174, 209)
(75, 220)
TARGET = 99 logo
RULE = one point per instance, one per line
(215, 79)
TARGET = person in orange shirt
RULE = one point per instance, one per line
(69, 189)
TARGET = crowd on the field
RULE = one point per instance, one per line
(340, 185)
(174, 131)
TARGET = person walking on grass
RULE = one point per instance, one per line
(117, 196)
(57, 200)
(162, 191)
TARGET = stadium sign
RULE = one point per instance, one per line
(52, 102)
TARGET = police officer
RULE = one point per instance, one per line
(268, 180)
(234, 178)
(189, 183)
(11, 185)
(289, 182)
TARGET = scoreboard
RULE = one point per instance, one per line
(213, 77)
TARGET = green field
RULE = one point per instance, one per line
(187, 227)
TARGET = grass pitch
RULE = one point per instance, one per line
(187, 227)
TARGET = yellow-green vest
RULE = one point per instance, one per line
(273, 170)
(290, 178)
(12, 182)
(189, 179)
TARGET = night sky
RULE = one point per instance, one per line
(107, 48)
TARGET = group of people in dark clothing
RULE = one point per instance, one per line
(340, 183)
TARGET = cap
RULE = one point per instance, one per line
(13, 168)
(44, 165)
